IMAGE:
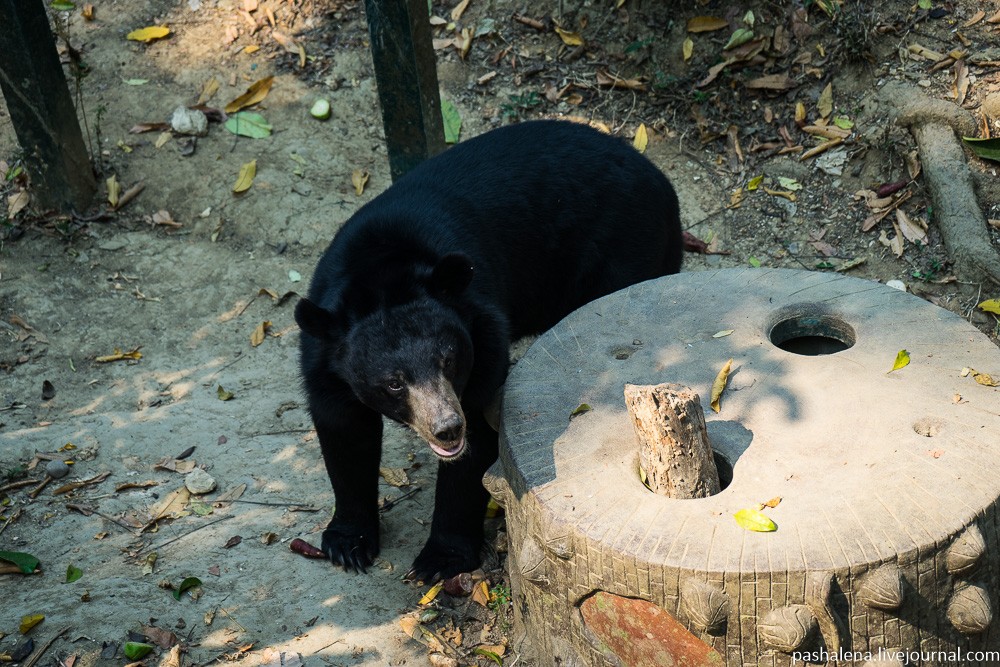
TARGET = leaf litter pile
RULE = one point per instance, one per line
(765, 115)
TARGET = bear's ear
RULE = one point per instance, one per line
(452, 274)
(316, 321)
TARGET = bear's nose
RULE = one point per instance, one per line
(449, 428)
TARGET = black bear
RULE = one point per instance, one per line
(413, 306)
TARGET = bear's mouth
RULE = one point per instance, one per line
(448, 450)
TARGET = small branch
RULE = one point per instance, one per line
(180, 537)
(38, 654)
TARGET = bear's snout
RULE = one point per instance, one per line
(436, 415)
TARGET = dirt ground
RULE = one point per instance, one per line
(177, 274)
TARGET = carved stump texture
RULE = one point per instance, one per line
(887, 527)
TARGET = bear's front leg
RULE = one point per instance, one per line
(459, 508)
(350, 436)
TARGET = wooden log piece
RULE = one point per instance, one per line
(674, 450)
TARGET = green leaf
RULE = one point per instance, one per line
(580, 409)
(26, 562)
(62, 5)
(924, 4)
(789, 183)
(741, 36)
(201, 508)
(988, 149)
(190, 582)
(754, 262)
(73, 573)
(902, 359)
(223, 395)
(248, 124)
(755, 520)
(843, 122)
(490, 655)
(452, 122)
(137, 650)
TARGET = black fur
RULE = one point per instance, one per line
(499, 237)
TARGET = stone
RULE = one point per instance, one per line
(199, 482)
(189, 121)
(56, 469)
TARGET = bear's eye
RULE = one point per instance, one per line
(394, 386)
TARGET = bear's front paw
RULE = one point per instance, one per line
(351, 544)
(444, 558)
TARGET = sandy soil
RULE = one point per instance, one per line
(188, 297)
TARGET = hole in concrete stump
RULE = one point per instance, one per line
(725, 469)
(812, 334)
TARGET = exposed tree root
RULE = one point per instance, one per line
(957, 212)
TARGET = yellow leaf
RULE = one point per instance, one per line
(254, 94)
(706, 24)
(719, 385)
(825, 104)
(162, 139)
(723, 333)
(118, 355)
(245, 179)
(224, 395)
(990, 306)
(985, 380)
(754, 520)
(641, 138)
(493, 509)
(459, 9)
(800, 112)
(755, 182)
(902, 359)
(258, 335)
(208, 90)
(570, 38)
(481, 593)
(114, 190)
(687, 49)
(773, 502)
(148, 34)
(359, 177)
(432, 593)
(30, 621)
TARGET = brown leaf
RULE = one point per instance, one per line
(706, 24)
(914, 232)
(159, 636)
(253, 95)
(771, 82)
(960, 87)
(608, 80)
(259, 333)
(459, 9)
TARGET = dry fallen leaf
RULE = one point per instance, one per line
(569, 38)
(148, 34)
(359, 178)
(208, 89)
(259, 333)
(395, 476)
(641, 138)
(913, 231)
(16, 203)
(253, 95)
(118, 355)
(246, 176)
(719, 385)
(706, 24)
(459, 9)
(114, 190)
(825, 103)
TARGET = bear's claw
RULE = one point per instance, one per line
(442, 561)
(350, 546)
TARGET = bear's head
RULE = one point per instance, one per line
(409, 361)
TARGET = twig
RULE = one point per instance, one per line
(41, 485)
(14, 517)
(303, 507)
(17, 485)
(129, 195)
(179, 537)
(389, 504)
(232, 619)
(38, 654)
(87, 511)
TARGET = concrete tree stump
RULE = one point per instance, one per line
(888, 534)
